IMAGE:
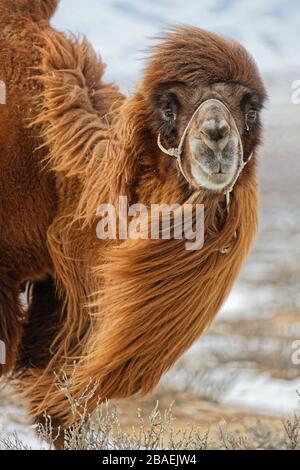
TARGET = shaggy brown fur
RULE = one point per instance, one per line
(125, 311)
(28, 196)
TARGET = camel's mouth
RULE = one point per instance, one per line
(213, 169)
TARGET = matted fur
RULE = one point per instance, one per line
(28, 195)
(124, 311)
(37, 10)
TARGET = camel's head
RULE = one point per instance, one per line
(205, 96)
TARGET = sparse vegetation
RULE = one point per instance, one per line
(103, 431)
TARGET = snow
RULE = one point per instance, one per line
(13, 421)
(263, 393)
(241, 299)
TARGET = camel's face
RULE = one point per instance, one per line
(221, 127)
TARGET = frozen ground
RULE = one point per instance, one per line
(244, 362)
(13, 421)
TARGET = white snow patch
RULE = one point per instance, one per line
(263, 393)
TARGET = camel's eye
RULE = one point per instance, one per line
(251, 115)
(250, 118)
(169, 114)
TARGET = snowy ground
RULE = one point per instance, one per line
(245, 360)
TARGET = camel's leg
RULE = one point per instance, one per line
(11, 321)
(44, 315)
(41, 326)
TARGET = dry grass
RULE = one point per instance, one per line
(104, 431)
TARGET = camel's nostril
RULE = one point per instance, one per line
(215, 130)
(224, 129)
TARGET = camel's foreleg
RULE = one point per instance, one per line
(11, 322)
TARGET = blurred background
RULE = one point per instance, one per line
(243, 368)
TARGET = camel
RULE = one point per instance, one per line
(122, 310)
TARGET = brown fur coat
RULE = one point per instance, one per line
(123, 311)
